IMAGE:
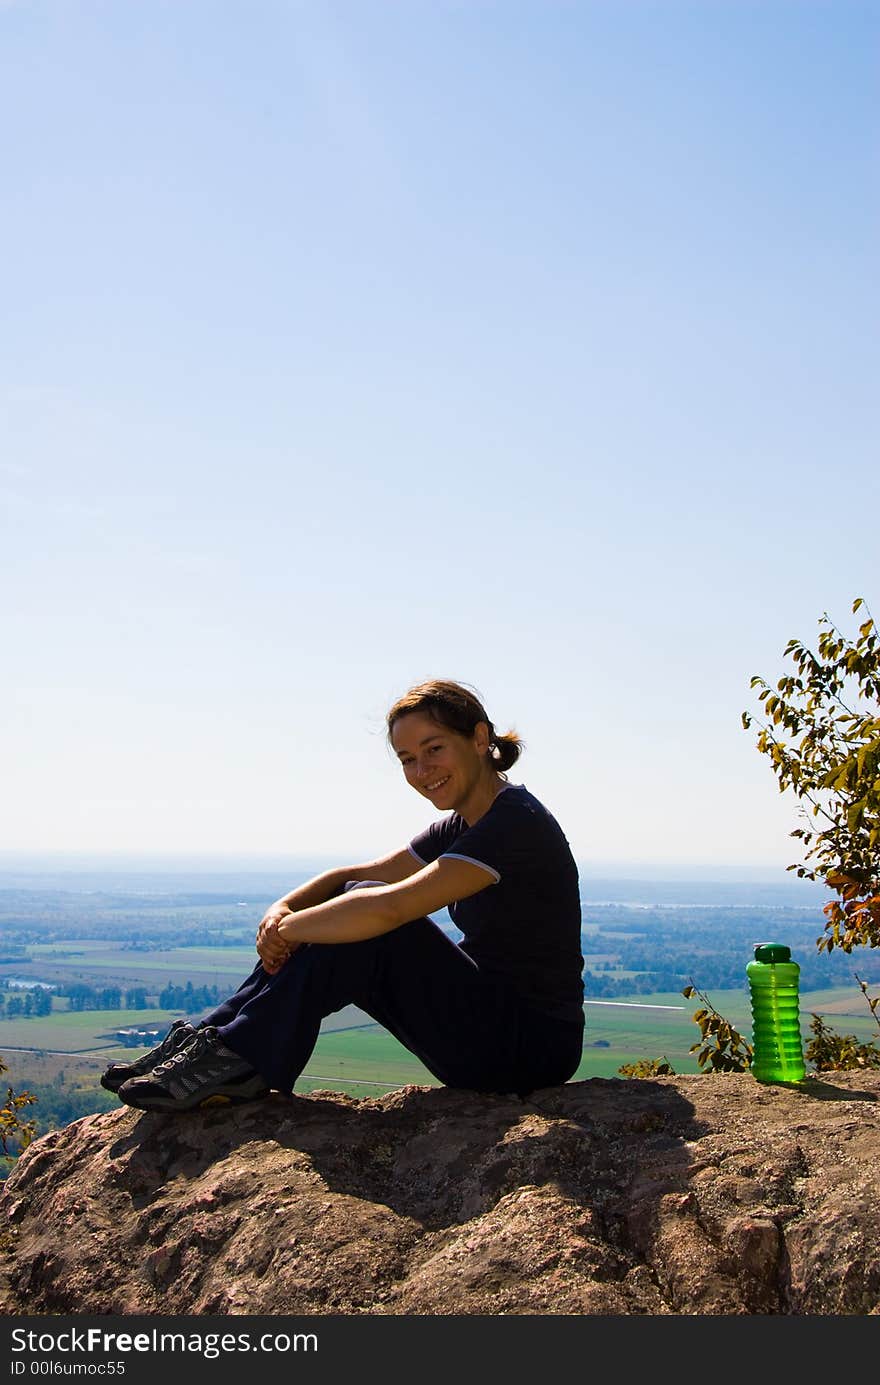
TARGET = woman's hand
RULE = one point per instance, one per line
(272, 948)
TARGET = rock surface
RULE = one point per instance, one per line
(707, 1194)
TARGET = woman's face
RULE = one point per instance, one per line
(440, 764)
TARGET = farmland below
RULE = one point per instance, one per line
(90, 975)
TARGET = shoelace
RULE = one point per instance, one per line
(172, 1037)
(193, 1049)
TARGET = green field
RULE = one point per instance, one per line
(360, 1058)
(370, 1056)
(94, 1031)
(83, 1031)
(101, 962)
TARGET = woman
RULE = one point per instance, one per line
(501, 1011)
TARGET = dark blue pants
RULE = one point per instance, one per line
(468, 1030)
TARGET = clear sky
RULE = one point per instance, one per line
(347, 344)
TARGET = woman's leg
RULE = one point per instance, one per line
(229, 1008)
(469, 1030)
(415, 981)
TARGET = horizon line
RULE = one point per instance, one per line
(194, 862)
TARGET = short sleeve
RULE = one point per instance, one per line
(431, 843)
(484, 844)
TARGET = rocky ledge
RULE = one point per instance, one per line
(681, 1195)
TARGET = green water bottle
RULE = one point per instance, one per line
(776, 1027)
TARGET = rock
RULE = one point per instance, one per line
(705, 1194)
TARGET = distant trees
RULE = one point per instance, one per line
(36, 1000)
(81, 996)
(189, 997)
(823, 741)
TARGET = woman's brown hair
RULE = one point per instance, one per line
(458, 708)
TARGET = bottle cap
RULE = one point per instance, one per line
(772, 952)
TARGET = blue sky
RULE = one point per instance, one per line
(350, 344)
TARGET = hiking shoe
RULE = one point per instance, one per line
(203, 1072)
(179, 1034)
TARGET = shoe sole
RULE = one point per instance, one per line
(113, 1084)
(225, 1096)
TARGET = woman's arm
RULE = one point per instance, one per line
(376, 909)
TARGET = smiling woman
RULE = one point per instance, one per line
(501, 1011)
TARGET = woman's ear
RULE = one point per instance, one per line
(481, 737)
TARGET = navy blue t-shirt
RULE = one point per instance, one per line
(526, 927)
